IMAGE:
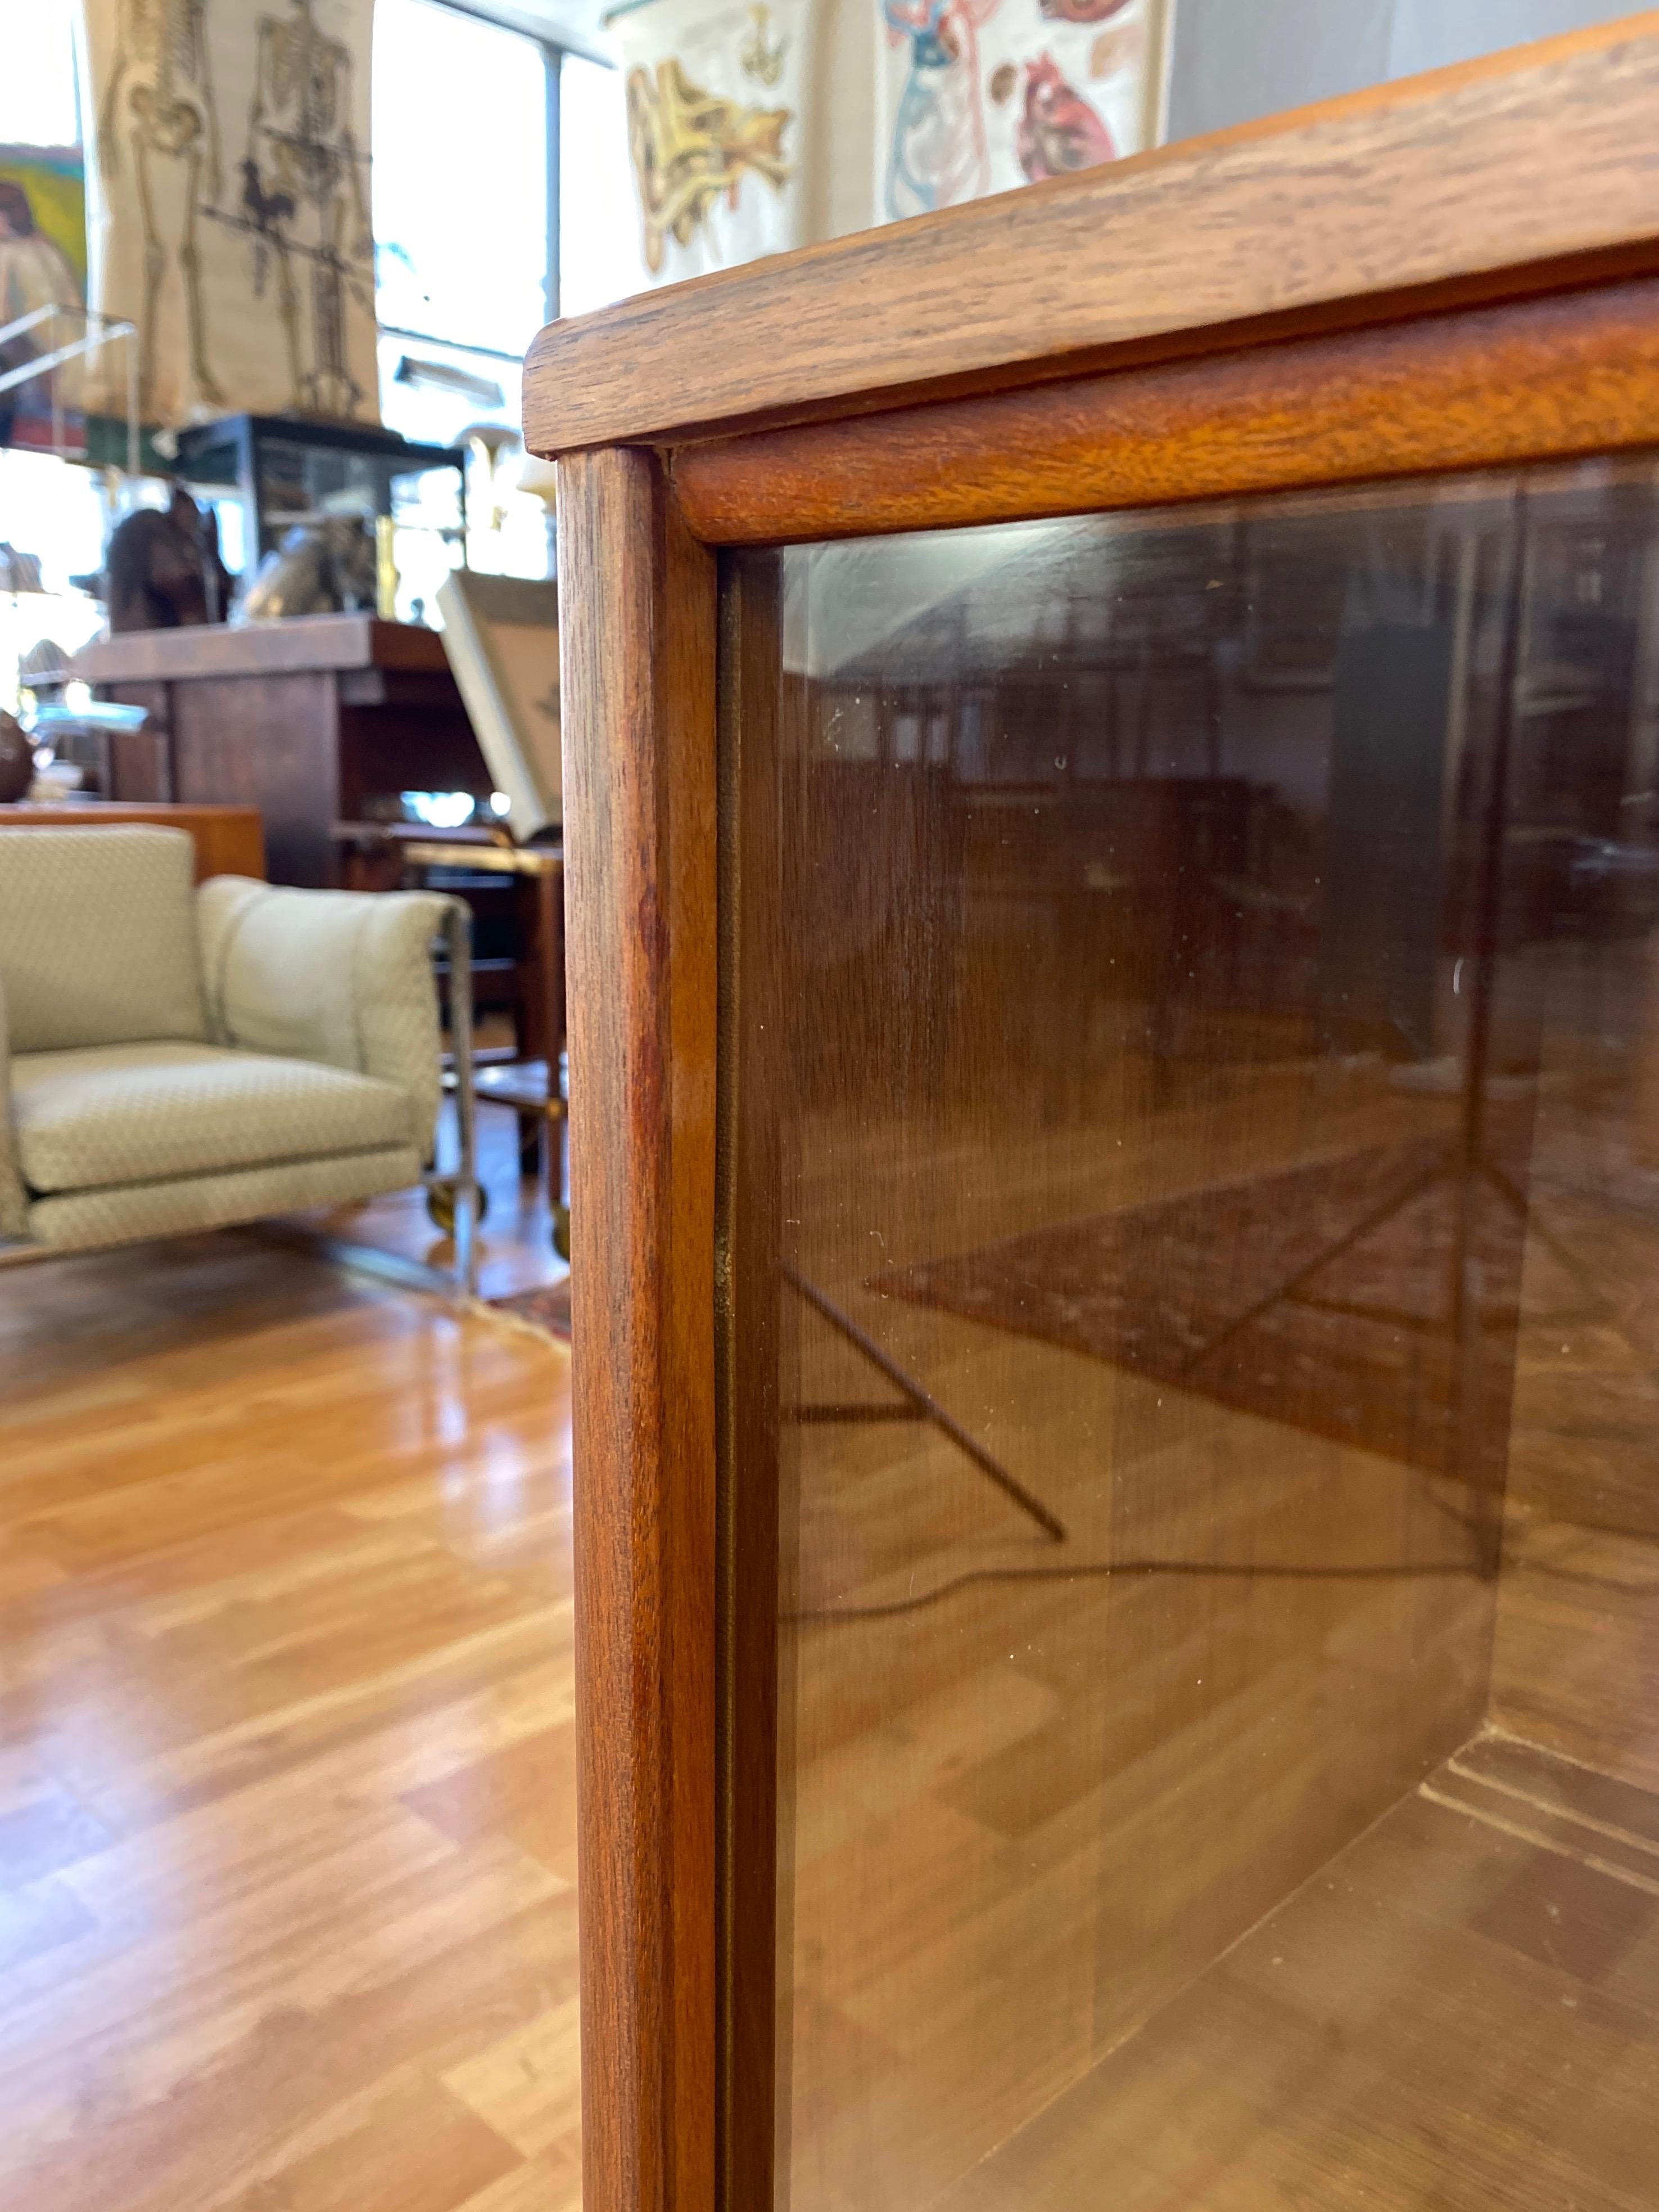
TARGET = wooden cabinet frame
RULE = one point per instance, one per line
(1455, 272)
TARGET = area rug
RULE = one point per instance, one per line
(547, 1307)
(1319, 1296)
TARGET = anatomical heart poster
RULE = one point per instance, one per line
(227, 177)
(977, 96)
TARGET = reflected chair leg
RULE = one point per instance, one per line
(558, 1149)
(920, 1405)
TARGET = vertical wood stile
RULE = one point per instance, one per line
(637, 640)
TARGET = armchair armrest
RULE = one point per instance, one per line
(341, 977)
(14, 1200)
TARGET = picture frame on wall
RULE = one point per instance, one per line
(501, 635)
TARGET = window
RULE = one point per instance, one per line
(599, 257)
(38, 102)
(460, 177)
(52, 509)
(502, 197)
(461, 207)
(487, 221)
(47, 507)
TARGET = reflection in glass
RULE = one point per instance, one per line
(1217, 1154)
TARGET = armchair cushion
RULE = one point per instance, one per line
(148, 1112)
(97, 937)
(82, 1220)
(340, 977)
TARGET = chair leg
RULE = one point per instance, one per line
(458, 938)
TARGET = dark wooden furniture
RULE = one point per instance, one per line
(230, 839)
(307, 720)
(920, 1856)
(533, 1090)
(535, 874)
(476, 863)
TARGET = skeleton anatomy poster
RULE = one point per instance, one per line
(229, 185)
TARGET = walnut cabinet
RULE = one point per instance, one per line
(1112, 813)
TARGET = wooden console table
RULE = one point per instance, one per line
(230, 839)
(307, 720)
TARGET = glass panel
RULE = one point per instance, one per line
(434, 394)
(1214, 1149)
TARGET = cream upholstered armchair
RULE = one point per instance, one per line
(176, 1058)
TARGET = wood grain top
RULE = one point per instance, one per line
(1568, 373)
(1456, 184)
(267, 648)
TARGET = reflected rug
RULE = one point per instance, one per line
(547, 1307)
(1319, 1296)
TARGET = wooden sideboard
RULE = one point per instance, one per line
(229, 841)
(1110, 809)
(307, 720)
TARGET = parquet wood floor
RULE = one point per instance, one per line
(287, 1834)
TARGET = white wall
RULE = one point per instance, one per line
(1430, 33)
(1233, 62)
